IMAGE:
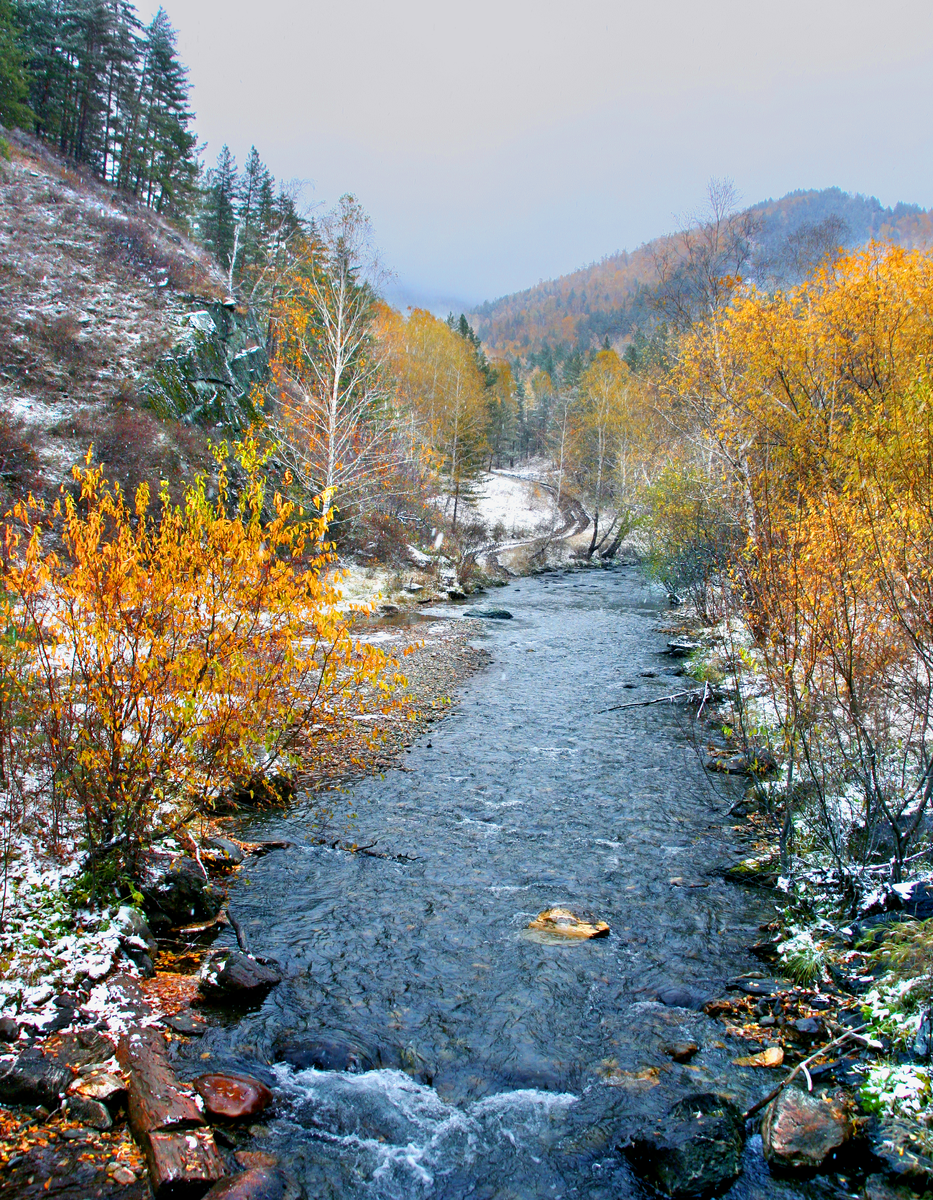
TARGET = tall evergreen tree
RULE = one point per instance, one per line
(219, 214)
(14, 80)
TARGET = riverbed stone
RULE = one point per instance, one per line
(562, 923)
(89, 1112)
(232, 975)
(232, 1097)
(33, 1079)
(9, 1029)
(180, 896)
(255, 1183)
(682, 997)
(695, 1151)
(185, 1023)
(490, 614)
(327, 1052)
(801, 1131)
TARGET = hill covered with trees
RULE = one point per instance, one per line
(616, 298)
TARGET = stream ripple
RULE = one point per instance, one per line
(501, 1066)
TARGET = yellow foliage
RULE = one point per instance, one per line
(154, 660)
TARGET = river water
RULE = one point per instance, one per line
(500, 1066)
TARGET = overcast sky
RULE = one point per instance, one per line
(500, 142)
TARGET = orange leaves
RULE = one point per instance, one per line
(160, 658)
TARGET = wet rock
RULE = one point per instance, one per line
(761, 871)
(104, 1087)
(231, 974)
(773, 1056)
(33, 1079)
(89, 1112)
(180, 896)
(910, 899)
(186, 1023)
(256, 1183)
(133, 924)
(562, 923)
(9, 1029)
(922, 1045)
(696, 1151)
(680, 1052)
(490, 614)
(677, 997)
(898, 1150)
(809, 1027)
(327, 1052)
(681, 649)
(800, 1131)
(232, 1097)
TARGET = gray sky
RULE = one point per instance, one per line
(498, 143)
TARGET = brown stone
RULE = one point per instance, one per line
(107, 1087)
(562, 923)
(680, 1052)
(233, 1097)
(800, 1131)
(182, 1162)
(257, 1183)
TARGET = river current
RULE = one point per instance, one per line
(501, 1066)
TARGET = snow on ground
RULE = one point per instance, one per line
(516, 504)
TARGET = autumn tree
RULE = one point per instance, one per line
(333, 413)
(817, 412)
(443, 396)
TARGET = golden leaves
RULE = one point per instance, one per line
(162, 657)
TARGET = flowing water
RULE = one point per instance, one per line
(499, 1065)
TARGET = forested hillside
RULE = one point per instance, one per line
(615, 297)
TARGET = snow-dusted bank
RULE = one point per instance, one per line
(846, 922)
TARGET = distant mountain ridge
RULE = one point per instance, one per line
(612, 298)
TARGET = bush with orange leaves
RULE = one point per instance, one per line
(157, 659)
(816, 407)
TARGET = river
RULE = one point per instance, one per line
(501, 1066)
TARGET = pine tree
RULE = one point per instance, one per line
(14, 80)
(219, 216)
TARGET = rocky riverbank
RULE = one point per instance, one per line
(77, 1119)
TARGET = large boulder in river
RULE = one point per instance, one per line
(180, 896)
(232, 976)
(696, 1151)
(800, 1132)
(490, 614)
(327, 1052)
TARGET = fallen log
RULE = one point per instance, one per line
(156, 1099)
(183, 1162)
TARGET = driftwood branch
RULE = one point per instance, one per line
(238, 930)
(691, 693)
(850, 1034)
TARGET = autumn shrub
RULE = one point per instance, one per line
(692, 537)
(158, 656)
(817, 409)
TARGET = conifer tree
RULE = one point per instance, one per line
(14, 81)
(219, 216)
